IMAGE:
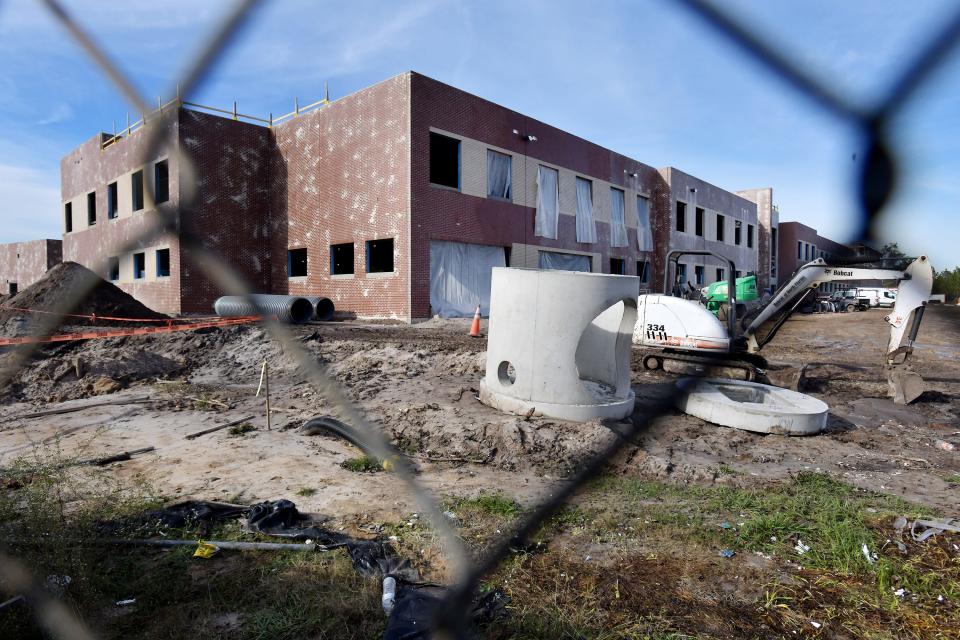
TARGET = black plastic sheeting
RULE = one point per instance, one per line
(416, 603)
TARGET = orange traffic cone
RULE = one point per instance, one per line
(475, 327)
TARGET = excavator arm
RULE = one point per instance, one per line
(913, 291)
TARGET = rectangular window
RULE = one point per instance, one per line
(112, 200)
(681, 216)
(586, 227)
(720, 275)
(161, 182)
(773, 242)
(698, 221)
(13, 288)
(380, 256)
(499, 175)
(682, 274)
(750, 236)
(113, 269)
(721, 223)
(139, 266)
(548, 202)
(799, 250)
(444, 161)
(644, 232)
(91, 208)
(739, 274)
(643, 270)
(618, 223)
(341, 259)
(737, 229)
(698, 274)
(296, 263)
(163, 263)
(68, 217)
(136, 190)
(618, 266)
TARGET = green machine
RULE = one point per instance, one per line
(717, 292)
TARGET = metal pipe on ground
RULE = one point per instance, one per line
(292, 309)
(323, 308)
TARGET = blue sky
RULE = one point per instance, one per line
(645, 78)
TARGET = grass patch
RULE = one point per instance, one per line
(363, 464)
(49, 511)
(241, 430)
(492, 503)
(954, 479)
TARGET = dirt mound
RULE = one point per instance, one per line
(48, 294)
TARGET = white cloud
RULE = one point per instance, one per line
(60, 113)
(29, 203)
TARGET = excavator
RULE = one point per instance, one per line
(682, 336)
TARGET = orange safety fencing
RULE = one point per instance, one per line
(131, 331)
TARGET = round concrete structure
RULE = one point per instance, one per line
(559, 344)
(751, 406)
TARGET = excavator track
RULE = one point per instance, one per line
(708, 366)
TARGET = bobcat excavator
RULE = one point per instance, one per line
(683, 336)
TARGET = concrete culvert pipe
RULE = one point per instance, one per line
(292, 309)
(323, 308)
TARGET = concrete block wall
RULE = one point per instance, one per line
(90, 169)
(341, 174)
(713, 200)
(23, 263)
(768, 219)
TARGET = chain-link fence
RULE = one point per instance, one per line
(878, 175)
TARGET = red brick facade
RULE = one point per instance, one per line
(88, 168)
(341, 174)
(354, 171)
(444, 214)
(23, 263)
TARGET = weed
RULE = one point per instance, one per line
(363, 464)
(726, 470)
(493, 503)
(306, 491)
(954, 479)
(241, 430)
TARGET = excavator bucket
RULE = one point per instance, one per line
(912, 296)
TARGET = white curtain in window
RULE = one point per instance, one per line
(548, 203)
(499, 183)
(618, 227)
(460, 276)
(644, 233)
(564, 261)
(586, 229)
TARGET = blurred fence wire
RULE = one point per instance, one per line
(878, 176)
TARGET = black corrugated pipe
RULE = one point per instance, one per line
(293, 309)
(323, 308)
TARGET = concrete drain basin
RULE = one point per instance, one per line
(751, 406)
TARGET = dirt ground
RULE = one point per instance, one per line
(419, 383)
(668, 507)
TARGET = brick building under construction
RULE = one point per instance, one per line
(395, 202)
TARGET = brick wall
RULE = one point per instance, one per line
(340, 174)
(791, 233)
(232, 213)
(466, 216)
(23, 263)
(89, 169)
